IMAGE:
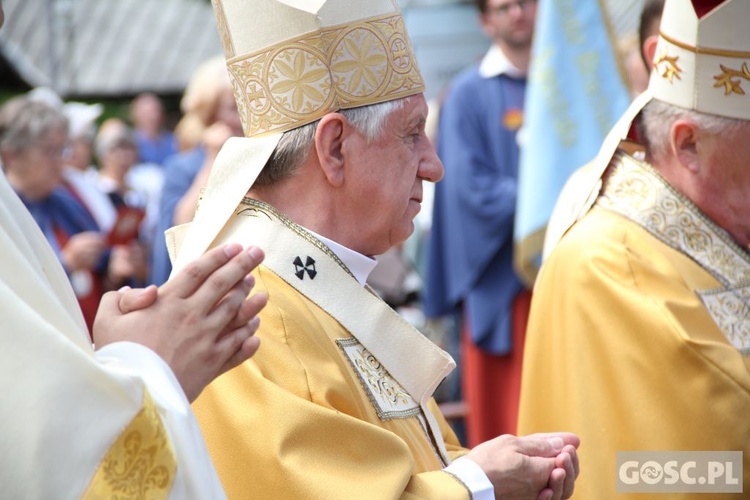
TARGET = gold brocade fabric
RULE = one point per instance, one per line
(389, 399)
(297, 82)
(635, 190)
(140, 464)
(621, 348)
(318, 413)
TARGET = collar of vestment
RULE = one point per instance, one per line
(393, 349)
(495, 63)
(360, 265)
(635, 190)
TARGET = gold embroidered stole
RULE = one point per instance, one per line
(635, 190)
(398, 367)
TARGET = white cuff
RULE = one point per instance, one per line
(473, 477)
(150, 368)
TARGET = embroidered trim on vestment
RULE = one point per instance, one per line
(383, 391)
(635, 190)
(468, 490)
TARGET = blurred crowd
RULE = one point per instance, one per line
(640, 317)
(103, 190)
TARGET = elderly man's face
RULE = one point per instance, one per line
(725, 181)
(385, 192)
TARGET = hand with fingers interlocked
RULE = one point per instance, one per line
(201, 322)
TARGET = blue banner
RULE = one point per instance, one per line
(575, 93)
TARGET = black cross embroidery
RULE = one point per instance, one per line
(308, 266)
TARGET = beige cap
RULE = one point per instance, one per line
(293, 62)
(290, 63)
(702, 64)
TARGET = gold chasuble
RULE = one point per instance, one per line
(640, 332)
(337, 403)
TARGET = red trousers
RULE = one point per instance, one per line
(491, 384)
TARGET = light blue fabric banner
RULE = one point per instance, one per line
(575, 94)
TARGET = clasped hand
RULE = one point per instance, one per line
(538, 466)
(201, 322)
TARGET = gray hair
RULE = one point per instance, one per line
(657, 117)
(24, 121)
(296, 144)
(113, 133)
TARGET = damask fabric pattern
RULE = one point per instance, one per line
(389, 399)
(140, 464)
(294, 83)
(637, 359)
(315, 413)
(635, 190)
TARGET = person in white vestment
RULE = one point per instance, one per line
(115, 420)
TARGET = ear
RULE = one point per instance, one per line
(329, 139)
(649, 50)
(683, 141)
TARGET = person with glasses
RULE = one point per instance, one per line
(33, 138)
(507, 8)
(111, 419)
(470, 250)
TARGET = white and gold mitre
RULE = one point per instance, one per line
(701, 63)
(293, 61)
(290, 63)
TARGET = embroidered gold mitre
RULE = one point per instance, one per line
(293, 61)
(290, 63)
(702, 64)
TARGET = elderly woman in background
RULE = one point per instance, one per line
(117, 151)
(79, 173)
(33, 136)
(210, 118)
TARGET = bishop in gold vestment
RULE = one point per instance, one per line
(338, 403)
(638, 336)
(318, 413)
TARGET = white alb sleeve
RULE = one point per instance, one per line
(473, 477)
(196, 476)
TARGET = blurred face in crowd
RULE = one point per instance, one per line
(2, 14)
(510, 22)
(226, 112)
(116, 149)
(35, 171)
(119, 158)
(79, 153)
(148, 113)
